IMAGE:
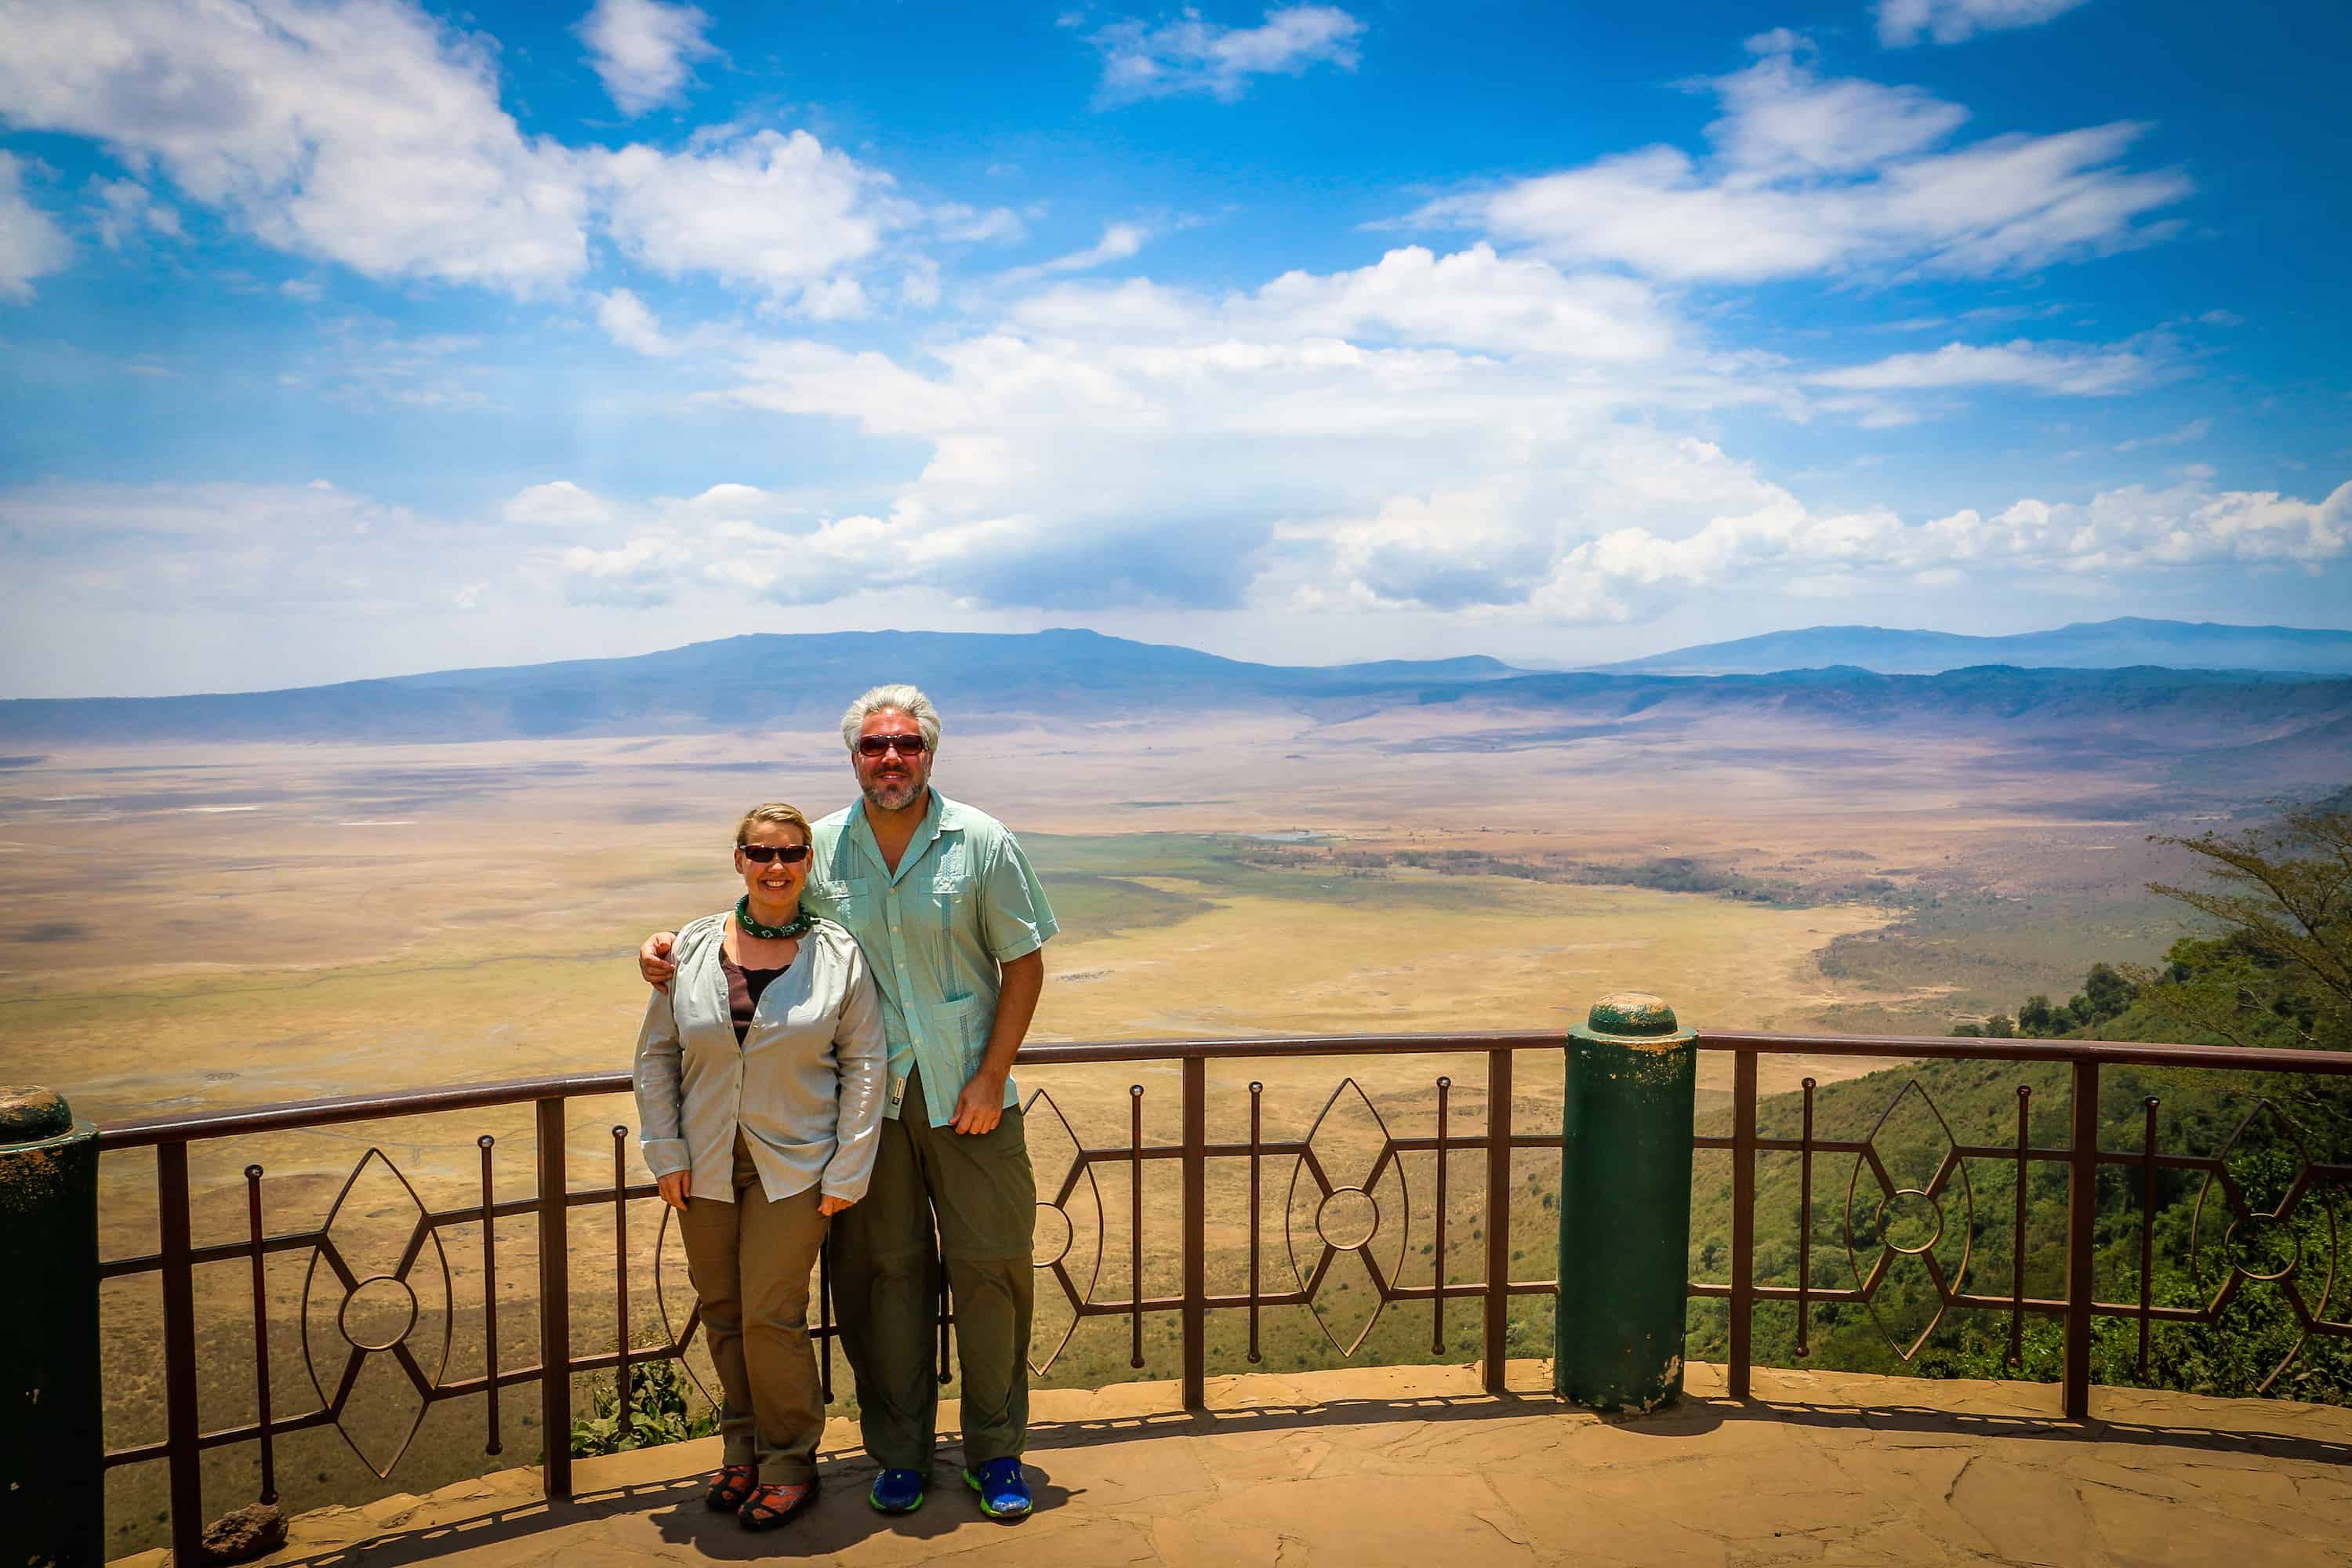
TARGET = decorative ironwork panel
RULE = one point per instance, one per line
(367, 1296)
(2258, 1245)
(1348, 1217)
(1070, 1229)
(1910, 1222)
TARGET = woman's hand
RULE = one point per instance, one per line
(827, 1207)
(653, 960)
(674, 1188)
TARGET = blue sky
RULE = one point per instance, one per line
(353, 337)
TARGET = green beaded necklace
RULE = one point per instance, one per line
(797, 926)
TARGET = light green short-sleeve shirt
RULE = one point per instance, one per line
(962, 901)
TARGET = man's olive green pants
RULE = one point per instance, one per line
(886, 1284)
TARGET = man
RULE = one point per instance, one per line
(953, 921)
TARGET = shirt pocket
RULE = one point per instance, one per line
(955, 910)
(961, 1026)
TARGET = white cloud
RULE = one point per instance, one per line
(370, 133)
(815, 378)
(729, 499)
(558, 502)
(1119, 242)
(638, 574)
(1447, 551)
(31, 245)
(365, 133)
(1901, 23)
(1616, 526)
(122, 209)
(1781, 120)
(1815, 176)
(256, 549)
(1189, 55)
(2133, 529)
(960, 223)
(627, 321)
(919, 284)
(1462, 434)
(1474, 300)
(642, 50)
(2063, 369)
(775, 211)
(834, 300)
(2194, 431)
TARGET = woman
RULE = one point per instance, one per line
(759, 1079)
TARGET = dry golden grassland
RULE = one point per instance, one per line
(199, 930)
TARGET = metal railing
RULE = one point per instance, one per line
(185, 1438)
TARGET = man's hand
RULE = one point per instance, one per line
(980, 1106)
(674, 1188)
(653, 960)
(828, 1206)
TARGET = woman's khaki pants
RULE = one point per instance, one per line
(750, 1262)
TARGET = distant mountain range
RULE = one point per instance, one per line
(990, 681)
(756, 682)
(2087, 645)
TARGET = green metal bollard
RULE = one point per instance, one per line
(52, 1492)
(1624, 1206)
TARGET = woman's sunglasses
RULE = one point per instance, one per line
(761, 854)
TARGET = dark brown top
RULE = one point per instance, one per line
(743, 989)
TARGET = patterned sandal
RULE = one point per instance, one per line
(729, 1486)
(770, 1506)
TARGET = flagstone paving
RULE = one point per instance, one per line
(1414, 1465)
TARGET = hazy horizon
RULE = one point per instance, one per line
(1534, 667)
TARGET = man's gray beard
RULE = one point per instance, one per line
(880, 797)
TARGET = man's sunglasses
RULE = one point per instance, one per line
(905, 745)
(761, 854)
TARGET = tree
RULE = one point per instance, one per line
(2284, 902)
(2106, 991)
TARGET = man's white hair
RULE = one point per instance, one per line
(901, 698)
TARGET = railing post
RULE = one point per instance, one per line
(1624, 1206)
(180, 1420)
(554, 1304)
(1498, 1218)
(1196, 1233)
(1743, 1217)
(2082, 1214)
(52, 1504)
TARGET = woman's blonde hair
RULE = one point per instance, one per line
(772, 811)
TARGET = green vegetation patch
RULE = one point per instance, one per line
(1974, 953)
(1099, 872)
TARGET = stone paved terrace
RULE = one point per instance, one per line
(1376, 1465)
